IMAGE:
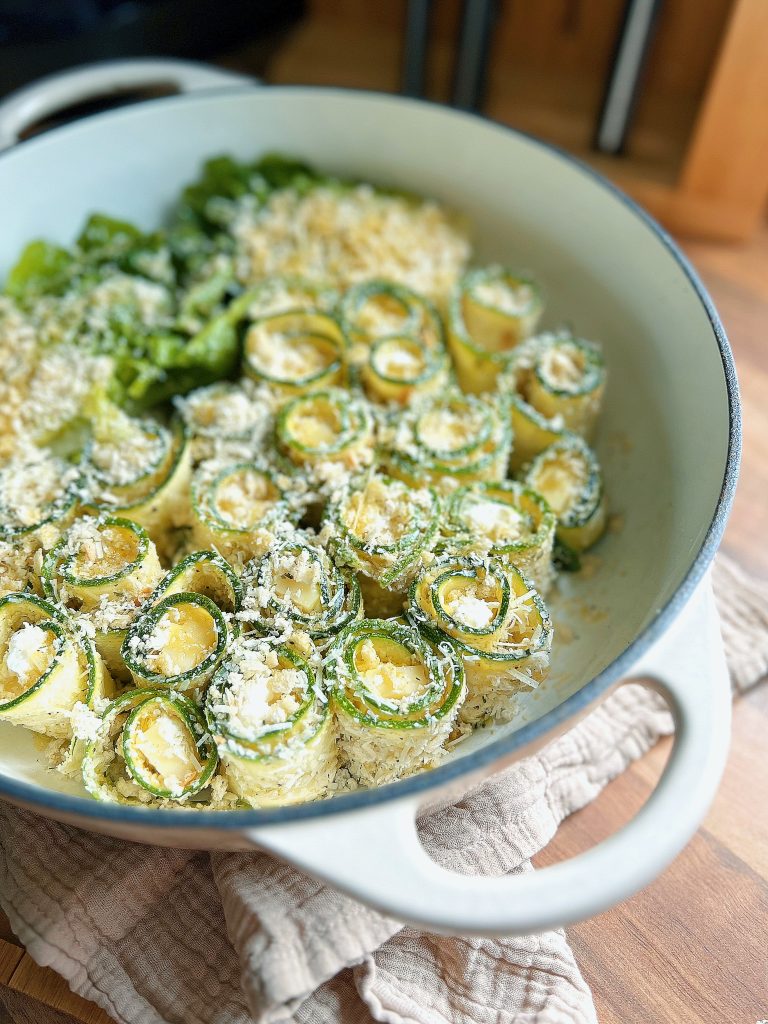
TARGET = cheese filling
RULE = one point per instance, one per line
(380, 515)
(297, 583)
(244, 497)
(400, 359)
(129, 452)
(182, 638)
(163, 750)
(561, 481)
(382, 314)
(105, 553)
(389, 671)
(30, 489)
(316, 425)
(29, 653)
(449, 429)
(562, 367)
(263, 691)
(501, 295)
(472, 604)
(289, 357)
(498, 522)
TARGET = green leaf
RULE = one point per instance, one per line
(42, 269)
(102, 232)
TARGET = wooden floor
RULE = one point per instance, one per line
(693, 947)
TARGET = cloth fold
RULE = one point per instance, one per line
(158, 936)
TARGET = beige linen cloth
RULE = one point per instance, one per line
(158, 936)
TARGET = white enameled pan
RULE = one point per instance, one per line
(669, 444)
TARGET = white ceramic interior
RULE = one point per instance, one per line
(664, 437)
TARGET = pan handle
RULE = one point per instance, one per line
(375, 855)
(55, 92)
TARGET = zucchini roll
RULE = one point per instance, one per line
(46, 666)
(498, 623)
(284, 294)
(379, 309)
(102, 570)
(296, 587)
(177, 643)
(568, 475)
(236, 508)
(449, 440)
(328, 434)
(507, 521)
(141, 471)
(38, 495)
(401, 369)
(491, 312)
(271, 724)
(381, 527)
(206, 573)
(558, 382)
(295, 352)
(395, 697)
(152, 747)
(224, 417)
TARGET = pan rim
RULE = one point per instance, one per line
(41, 799)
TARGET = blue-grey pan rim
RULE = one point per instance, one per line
(87, 809)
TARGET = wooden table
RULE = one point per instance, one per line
(691, 948)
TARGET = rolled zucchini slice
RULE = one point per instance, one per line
(377, 309)
(297, 586)
(381, 527)
(271, 724)
(206, 573)
(295, 352)
(568, 476)
(449, 440)
(401, 368)
(141, 471)
(284, 294)
(557, 382)
(177, 643)
(102, 571)
(328, 434)
(504, 520)
(152, 748)
(395, 697)
(491, 311)
(224, 417)
(236, 508)
(46, 666)
(38, 497)
(498, 622)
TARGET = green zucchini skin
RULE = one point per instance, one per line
(104, 606)
(382, 739)
(286, 762)
(203, 572)
(111, 768)
(157, 498)
(191, 680)
(411, 452)
(71, 677)
(303, 332)
(481, 334)
(504, 656)
(581, 516)
(388, 563)
(237, 540)
(337, 588)
(466, 531)
(557, 383)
